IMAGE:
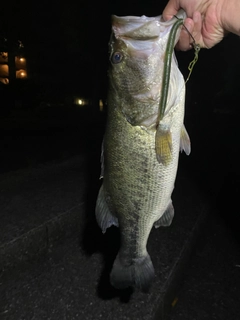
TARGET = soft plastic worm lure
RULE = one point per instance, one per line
(163, 137)
(167, 68)
(167, 64)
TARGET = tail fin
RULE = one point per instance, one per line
(140, 274)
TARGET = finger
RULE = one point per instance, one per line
(185, 39)
(171, 9)
(197, 30)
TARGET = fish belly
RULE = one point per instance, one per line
(136, 192)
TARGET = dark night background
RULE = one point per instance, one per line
(66, 49)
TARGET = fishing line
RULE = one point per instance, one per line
(196, 48)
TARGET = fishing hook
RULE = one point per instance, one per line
(196, 48)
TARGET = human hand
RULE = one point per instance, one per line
(203, 22)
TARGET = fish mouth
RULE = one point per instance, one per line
(139, 28)
(142, 27)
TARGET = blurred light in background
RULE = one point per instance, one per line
(81, 101)
(20, 74)
(3, 57)
(20, 67)
(4, 70)
(20, 63)
(101, 105)
(4, 80)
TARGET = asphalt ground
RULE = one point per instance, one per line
(211, 285)
(70, 279)
(55, 262)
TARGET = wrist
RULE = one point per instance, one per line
(230, 16)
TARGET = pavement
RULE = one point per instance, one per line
(37, 207)
(55, 262)
(211, 283)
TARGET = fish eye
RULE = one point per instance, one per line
(116, 57)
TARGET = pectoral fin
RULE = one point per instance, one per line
(104, 217)
(163, 145)
(102, 162)
(185, 144)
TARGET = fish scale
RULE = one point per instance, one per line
(137, 187)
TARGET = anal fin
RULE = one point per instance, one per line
(166, 218)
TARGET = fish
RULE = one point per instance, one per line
(143, 136)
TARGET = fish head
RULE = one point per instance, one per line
(136, 52)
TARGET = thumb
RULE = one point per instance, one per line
(171, 9)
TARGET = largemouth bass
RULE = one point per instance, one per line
(142, 141)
